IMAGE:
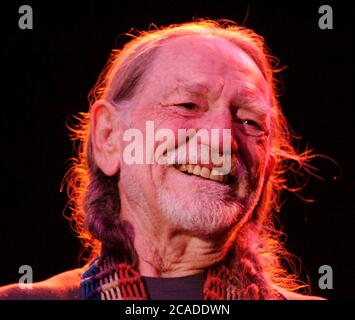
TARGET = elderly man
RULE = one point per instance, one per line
(174, 225)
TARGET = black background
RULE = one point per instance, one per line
(47, 73)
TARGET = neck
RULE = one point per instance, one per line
(176, 255)
(166, 251)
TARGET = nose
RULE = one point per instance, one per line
(220, 124)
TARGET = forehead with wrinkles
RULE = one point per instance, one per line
(203, 65)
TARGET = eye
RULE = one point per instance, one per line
(249, 122)
(187, 105)
(250, 127)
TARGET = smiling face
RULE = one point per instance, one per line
(200, 82)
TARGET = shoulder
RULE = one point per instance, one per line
(296, 296)
(63, 286)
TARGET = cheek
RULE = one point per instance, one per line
(252, 153)
(167, 136)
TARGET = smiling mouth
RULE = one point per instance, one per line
(205, 173)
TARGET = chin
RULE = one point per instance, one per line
(203, 206)
(199, 210)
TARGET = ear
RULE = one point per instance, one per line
(105, 136)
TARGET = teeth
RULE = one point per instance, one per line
(183, 168)
(197, 170)
(216, 178)
(217, 172)
(204, 172)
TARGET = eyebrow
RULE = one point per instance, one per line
(248, 96)
(194, 87)
(197, 86)
(252, 97)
